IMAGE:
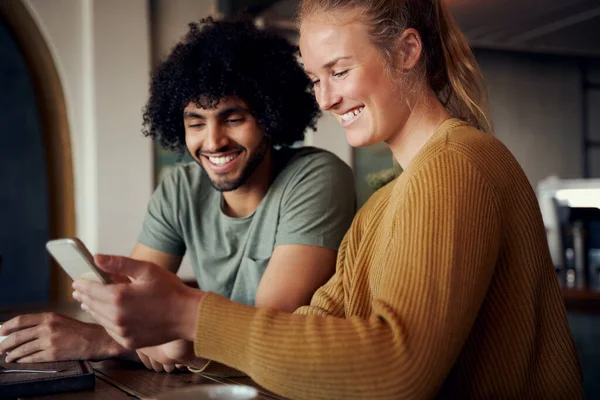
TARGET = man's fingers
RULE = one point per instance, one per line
(21, 322)
(24, 350)
(18, 338)
(40, 356)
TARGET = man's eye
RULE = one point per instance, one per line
(340, 74)
(234, 120)
(196, 125)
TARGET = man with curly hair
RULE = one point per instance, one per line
(260, 221)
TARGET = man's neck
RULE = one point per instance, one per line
(244, 200)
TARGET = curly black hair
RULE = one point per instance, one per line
(219, 59)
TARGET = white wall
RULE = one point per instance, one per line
(170, 19)
(101, 49)
(330, 136)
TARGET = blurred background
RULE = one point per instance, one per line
(74, 77)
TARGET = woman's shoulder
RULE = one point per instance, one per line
(484, 150)
(458, 138)
(462, 144)
(473, 143)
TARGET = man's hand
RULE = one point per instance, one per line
(155, 308)
(54, 337)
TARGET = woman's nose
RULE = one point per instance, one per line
(327, 97)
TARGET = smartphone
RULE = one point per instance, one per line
(75, 259)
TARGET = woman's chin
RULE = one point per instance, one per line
(360, 139)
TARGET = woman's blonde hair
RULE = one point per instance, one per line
(448, 61)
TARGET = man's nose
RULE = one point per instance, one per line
(216, 139)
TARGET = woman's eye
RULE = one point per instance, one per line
(340, 74)
(196, 125)
(315, 82)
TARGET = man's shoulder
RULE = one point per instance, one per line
(309, 158)
(314, 173)
(186, 179)
(182, 175)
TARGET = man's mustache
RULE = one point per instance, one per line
(231, 149)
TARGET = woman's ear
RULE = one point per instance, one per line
(409, 49)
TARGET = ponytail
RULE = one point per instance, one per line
(465, 95)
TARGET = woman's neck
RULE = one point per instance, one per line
(426, 115)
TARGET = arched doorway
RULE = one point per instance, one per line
(55, 187)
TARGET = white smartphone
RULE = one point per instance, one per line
(73, 257)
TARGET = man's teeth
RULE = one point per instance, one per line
(351, 114)
(222, 160)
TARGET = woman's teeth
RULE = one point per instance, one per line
(351, 115)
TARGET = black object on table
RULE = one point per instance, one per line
(72, 376)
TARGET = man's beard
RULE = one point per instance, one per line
(226, 185)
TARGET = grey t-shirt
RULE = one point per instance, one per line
(311, 202)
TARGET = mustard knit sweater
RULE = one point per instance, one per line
(444, 287)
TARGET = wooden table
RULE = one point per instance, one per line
(121, 379)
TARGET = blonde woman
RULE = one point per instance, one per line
(444, 285)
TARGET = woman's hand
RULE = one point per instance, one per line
(168, 356)
(155, 307)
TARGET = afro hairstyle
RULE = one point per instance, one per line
(220, 59)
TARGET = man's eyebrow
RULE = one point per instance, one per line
(192, 114)
(223, 113)
(232, 110)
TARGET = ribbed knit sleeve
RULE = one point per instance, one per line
(441, 244)
(329, 298)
